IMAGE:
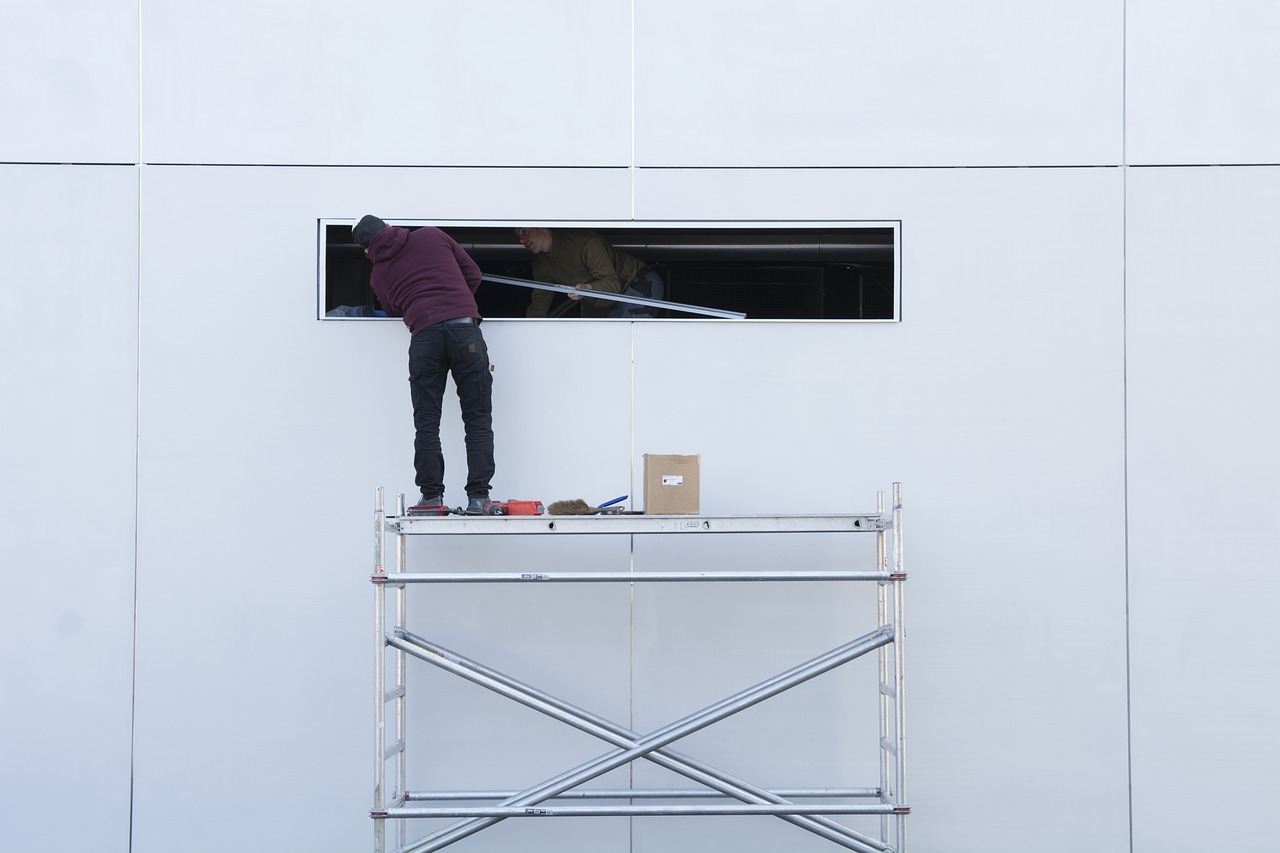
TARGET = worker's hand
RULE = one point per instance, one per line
(576, 296)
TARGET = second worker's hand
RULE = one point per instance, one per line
(576, 296)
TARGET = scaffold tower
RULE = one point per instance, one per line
(809, 808)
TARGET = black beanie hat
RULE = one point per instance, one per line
(366, 228)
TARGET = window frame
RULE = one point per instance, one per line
(605, 225)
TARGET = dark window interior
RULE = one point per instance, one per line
(768, 273)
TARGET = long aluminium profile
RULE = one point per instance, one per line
(616, 297)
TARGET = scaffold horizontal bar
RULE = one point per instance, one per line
(641, 811)
(636, 577)
(646, 794)
(395, 693)
(888, 747)
(398, 746)
(635, 524)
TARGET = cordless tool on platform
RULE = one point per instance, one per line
(490, 508)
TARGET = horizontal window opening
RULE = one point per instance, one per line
(788, 272)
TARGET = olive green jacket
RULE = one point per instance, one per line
(582, 257)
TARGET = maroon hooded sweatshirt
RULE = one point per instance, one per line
(423, 276)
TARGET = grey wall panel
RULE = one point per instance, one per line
(71, 90)
(837, 83)
(699, 643)
(231, 439)
(998, 402)
(397, 83)
(1200, 82)
(1204, 515)
(68, 343)
(263, 435)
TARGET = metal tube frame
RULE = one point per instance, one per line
(641, 746)
(899, 659)
(632, 577)
(402, 687)
(721, 783)
(398, 694)
(882, 610)
(379, 681)
(645, 793)
(887, 640)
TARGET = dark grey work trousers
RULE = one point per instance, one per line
(457, 347)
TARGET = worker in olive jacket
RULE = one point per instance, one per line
(583, 259)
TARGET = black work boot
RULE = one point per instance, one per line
(477, 504)
(429, 505)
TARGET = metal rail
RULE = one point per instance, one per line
(504, 812)
(616, 297)
(643, 794)
(630, 577)
(525, 525)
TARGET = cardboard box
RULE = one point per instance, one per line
(671, 484)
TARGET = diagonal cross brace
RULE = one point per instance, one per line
(653, 741)
(619, 735)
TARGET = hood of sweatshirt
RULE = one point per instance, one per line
(387, 243)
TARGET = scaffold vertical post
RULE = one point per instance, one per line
(899, 658)
(379, 678)
(882, 618)
(402, 593)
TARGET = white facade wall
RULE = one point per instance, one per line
(1077, 401)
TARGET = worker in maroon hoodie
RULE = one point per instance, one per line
(424, 276)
